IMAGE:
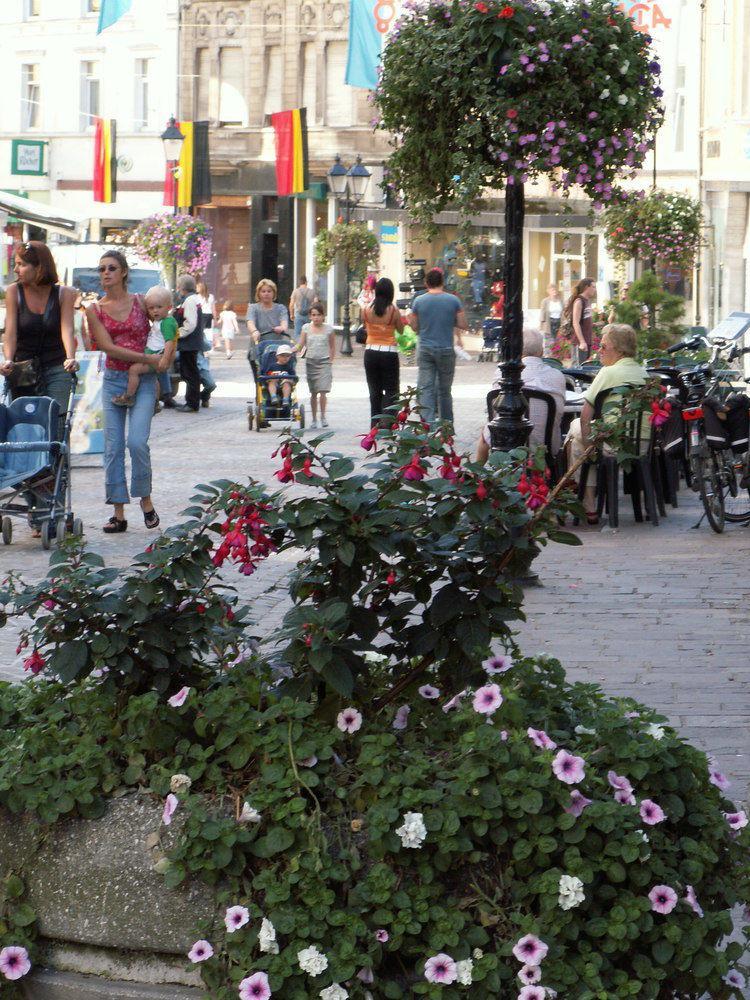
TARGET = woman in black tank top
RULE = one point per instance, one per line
(39, 324)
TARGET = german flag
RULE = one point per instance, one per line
(105, 160)
(194, 173)
(292, 161)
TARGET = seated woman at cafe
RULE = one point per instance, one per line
(617, 352)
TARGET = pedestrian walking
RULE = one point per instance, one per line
(435, 316)
(120, 325)
(550, 315)
(208, 309)
(228, 327)
(382, 321)
(266, 319)
(578, 319)
(299, 306)
(318, 340)
(190, 343)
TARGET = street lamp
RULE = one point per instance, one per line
(173, 139)
(348, 187)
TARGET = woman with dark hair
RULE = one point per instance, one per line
(382, 319)
(579, 319)
(39, 328)
(120, 325)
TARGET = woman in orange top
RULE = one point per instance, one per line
(382, 319)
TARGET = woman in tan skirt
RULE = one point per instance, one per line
(319, 342)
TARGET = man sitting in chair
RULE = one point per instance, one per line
(536, 375)
(617, 353)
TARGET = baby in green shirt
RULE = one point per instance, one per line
(161, 340)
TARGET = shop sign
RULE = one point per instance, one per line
(389, 232)
(27, 157)
(648, 15)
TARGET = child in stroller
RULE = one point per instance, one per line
(278, 370)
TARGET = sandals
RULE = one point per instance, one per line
(115, 526)
(150, 517)
(123, 400)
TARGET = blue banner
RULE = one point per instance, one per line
(365, 44)
(111, 12)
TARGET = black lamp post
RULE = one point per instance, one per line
(510, 427)
(173, 140)
(348, 187)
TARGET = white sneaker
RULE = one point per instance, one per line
(313, 425)
(324, 422)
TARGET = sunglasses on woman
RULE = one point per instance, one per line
(107, 267)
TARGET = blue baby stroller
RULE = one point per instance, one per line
(35, 468)
(262, 411)
(491, 333)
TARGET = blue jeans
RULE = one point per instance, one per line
(165, 383)
(138, 421)
(208, 382)
(436, 368)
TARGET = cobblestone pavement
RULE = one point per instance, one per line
(656, 613)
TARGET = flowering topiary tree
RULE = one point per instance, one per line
(177, 242)
(659, 226)
(491, 94)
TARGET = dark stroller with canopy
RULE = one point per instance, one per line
(35, 468)
(262, 411)
(491, 333)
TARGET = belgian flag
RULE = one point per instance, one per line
(105, 160)
(194, 173)
(292, 161)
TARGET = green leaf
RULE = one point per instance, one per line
(338, 676)
(277, 839)
(69, 660)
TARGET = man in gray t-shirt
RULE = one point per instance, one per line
(434, 316)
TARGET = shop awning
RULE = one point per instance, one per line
(55, 220)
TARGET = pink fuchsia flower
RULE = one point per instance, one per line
(736, 820)
(170, 804)
(368, 440)
(349, 721)
(532, 993)
(578, 803)
(569, 768)
(663, 899)
(14, 962)
(401, 717)
(179, 699)
(440, 969)
(692, 900)
(35, 663)
(530, 974)
(720, 780)
(236, 917)
(381, 935)
(530, 950)
(414, 470)
(487, 699)
(429, 692)
(651, 813)
(498, 664)
(200, 952)
(735, 978)
(540, 739)
(255, 987)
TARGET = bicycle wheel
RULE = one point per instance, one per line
(737, 497)
(706, 475)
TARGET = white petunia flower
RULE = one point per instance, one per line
(571, 892)
(622, 99)
(413, 831)
(604, 95)
(657, 732)
(477, 954)
(249, 815)
(334, 992)
(584, 731)
(267, 938)
(464, 972)
(625, 66)
(179, 783)
(312, 961)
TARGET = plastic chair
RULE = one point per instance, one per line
(550, 454)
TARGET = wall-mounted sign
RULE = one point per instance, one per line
(27, 157)
(650, 15)
(389, 232)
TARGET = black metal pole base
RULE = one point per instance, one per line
(510, 427)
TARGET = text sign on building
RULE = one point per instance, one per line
(389, 232)
(27, 157)
(648, 15)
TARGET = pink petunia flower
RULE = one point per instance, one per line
(692, 900)
(540, 739)
(663, 899)
(498, 664)
(532, 993)
(624, 797)
(366, 976)
(401, 717)
(381, 935)
(736, 820)
(619, 782)
(179, 699)
(487, 699)
(720, 780)
(440, 969)
(530, 950)
(255, 987)
(200, 952)
(578, 803)
(530, 974)
(236, 917)
(429, 692)
(170, 804)
(735, 978)
(569, 768)
(14, 962)
(651, 813)
(454, 702)
(349, 721)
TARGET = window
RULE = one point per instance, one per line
(339, 98)
(308, 57)
(142, 71)
(90, 85)
(200, 86)
(30, 107)
(273, 100)
(31, 8)
(232, 99)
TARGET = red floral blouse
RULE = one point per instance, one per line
(131, 333)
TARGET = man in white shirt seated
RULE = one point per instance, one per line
(536, 374)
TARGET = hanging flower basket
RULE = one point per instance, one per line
(480, 95)
(662, 226)
(347, 241)
(175, 240)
